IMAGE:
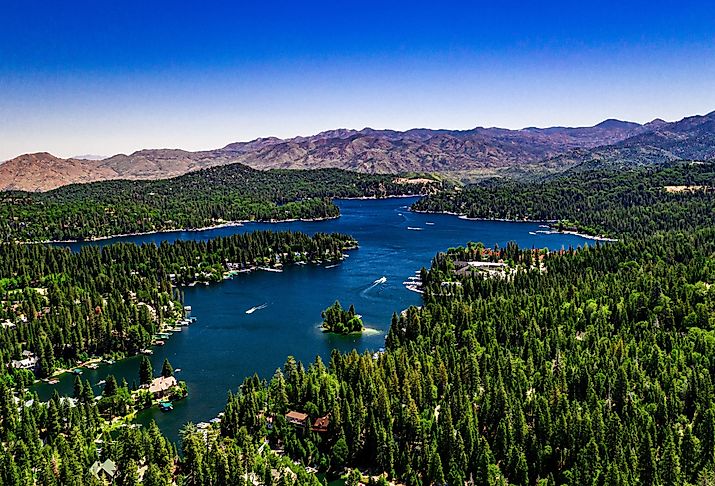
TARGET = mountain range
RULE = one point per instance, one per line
(488, 150)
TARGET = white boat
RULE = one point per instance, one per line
(333, 266)
(254, 309)
(430, 223)
(413, 228)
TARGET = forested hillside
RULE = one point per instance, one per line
(592, 370)
(635, 202)
(199, 199)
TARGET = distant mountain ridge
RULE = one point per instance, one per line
(692, 138)
(390, 151)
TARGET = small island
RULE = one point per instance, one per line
(339, 321)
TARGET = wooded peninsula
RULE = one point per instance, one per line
(206, 198)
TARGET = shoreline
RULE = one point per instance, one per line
(368, 198)
(57, 374)
(552, 230)
(227, 224)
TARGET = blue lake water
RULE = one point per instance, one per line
(225, 345)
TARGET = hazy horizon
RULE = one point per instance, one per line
(101, 79)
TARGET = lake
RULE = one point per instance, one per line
(226, 344)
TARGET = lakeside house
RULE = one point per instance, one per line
(321, 424)
(298, 419)
(159, 387)
(104, 471)
(28, 362)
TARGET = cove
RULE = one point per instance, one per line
(226, 344)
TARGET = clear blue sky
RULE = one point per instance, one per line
(103, 77)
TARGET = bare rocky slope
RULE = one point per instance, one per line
(388, 151)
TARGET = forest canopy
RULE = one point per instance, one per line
(199, 199)
(634, 202)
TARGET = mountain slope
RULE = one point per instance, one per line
(390, 151)
(692, 138)
(41, 171)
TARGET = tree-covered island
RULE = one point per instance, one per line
(341, 321)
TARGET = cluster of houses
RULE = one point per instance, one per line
(302, 420)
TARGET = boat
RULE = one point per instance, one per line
(166, 406)
(380, 280)
(101, 382)
(53, 381)
(159, 343)
(430, 223)
(109, 361)
(333, 265)
(177, 370)
(414, 288)
(414, 228)
(254, 309)
(77, 371)
(93, 366)
(147, 351)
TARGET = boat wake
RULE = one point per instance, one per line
(377, 282)
(254, 309)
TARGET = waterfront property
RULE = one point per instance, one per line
(160, 387)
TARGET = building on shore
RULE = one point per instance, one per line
(160, 387)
